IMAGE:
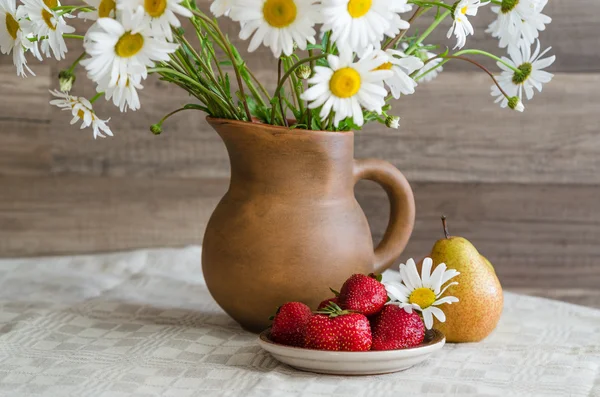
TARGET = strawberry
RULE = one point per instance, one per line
(327, 302)
(393, 328)
(338, 330)
(362, 294)
(289, 324)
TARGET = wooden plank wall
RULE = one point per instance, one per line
(524, 188)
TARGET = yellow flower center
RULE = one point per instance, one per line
(46, 16)
(80, 114)
(280, 13)
(129, 45)
(358, 8)
(344, 83)
(155, 8)
(424, 297)
(385, 66)
(105, 8)
(464, 10)
(12, 26)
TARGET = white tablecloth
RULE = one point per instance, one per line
(143, 323)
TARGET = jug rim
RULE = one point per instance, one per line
(275, 128)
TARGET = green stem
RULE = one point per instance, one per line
(171, 114)
(487, 54)
(74, 65)
(73, 36)
(227, 50)
(191, 81)
(430, 4)
(287, 74)
(427, 32)
(480, 66)
(283, 117)
(95, 97)
(260, 86)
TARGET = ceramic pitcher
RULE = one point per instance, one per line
(289, 227)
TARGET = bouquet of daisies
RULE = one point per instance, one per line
(340, 62)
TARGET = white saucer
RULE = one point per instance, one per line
(351, 363)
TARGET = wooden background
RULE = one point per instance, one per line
(524, 188)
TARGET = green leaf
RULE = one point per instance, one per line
(226, 63)
(336, 293)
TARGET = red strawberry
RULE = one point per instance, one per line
(289, 324)
(338, 331)
(327, 302)
(393, 328)
(363, 294)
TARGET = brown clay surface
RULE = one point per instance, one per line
(289, 227)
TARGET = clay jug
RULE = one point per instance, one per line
(289, 226)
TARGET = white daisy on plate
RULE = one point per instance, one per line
(531, 74)
(14, 32)
(221, 7)
(422, 292)
(160, 15)
(345, 87)
(81, 109)
(124, 93)
(518, 19)
(277, 24)
(401, 66)
(461, 25)
(117, 48)
(48, 24)
(102, 9)
(358, 24)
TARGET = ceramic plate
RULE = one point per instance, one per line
(352, 363)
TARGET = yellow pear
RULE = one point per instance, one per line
(479, 292)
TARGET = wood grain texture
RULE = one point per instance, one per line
(531, 233)
(528, 232)
(451, 131)
(62, 215)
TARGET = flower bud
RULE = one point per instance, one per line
(303, 72)
(66, 79)
(156, 129)
(515, 104)
(392, 122)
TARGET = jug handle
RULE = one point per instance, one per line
(402, 208)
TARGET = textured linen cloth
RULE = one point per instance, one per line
(143, 323)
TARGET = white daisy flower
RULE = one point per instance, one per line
(424, 292)
(124, 93)
(14, 32)
(401, 66)
(425, 56)
(345, 86)
(461, 25)
(81, 109)
(120, 48)
(47, 23)
(362, 23)
(518, 19)
(531, 73)
(103, 9)
(277, 23)
(221, 7)
(158, 14)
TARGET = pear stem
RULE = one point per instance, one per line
(445, 226)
